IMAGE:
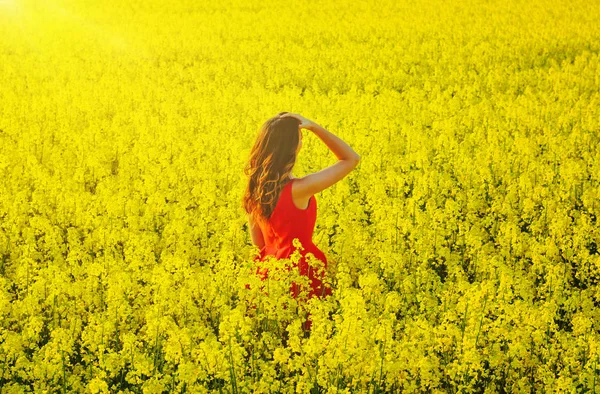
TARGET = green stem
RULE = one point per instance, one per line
(464, 324)
(232, 370)
(481, 320)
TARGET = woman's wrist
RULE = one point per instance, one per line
(313, 127)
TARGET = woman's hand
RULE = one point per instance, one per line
(304, 123)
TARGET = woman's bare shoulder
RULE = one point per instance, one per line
(300, 202)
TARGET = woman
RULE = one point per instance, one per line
(281, 207)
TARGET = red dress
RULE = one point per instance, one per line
(286, 223)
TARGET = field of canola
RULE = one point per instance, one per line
(463, 251)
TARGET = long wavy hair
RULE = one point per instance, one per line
(271, 161)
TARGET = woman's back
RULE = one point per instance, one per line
(286, 223)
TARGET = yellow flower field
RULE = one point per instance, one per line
(463, 250)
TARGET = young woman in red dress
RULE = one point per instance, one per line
(281, 207)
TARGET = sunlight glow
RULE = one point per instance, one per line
(10, 6)
(13, 18)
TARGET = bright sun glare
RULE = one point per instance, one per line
(9, 7)
(8, 3)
